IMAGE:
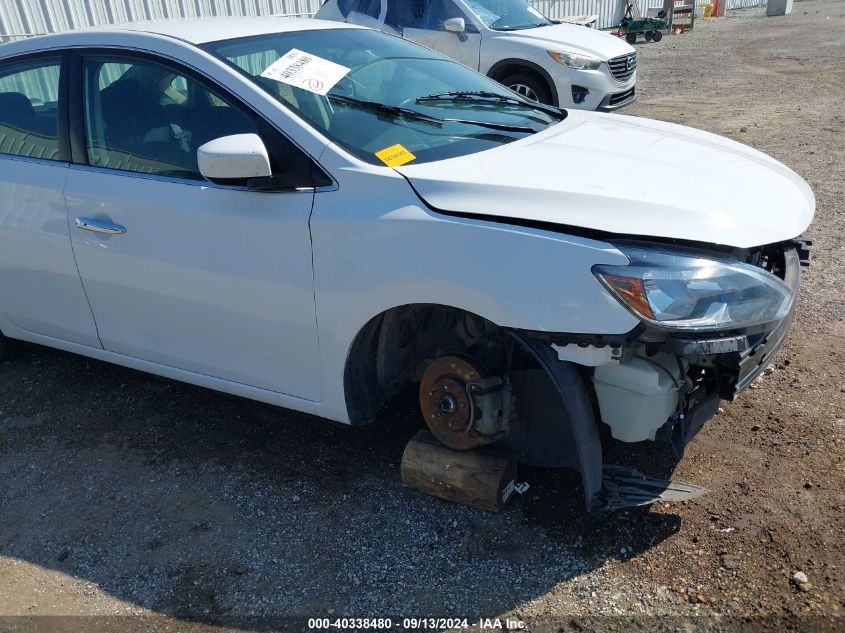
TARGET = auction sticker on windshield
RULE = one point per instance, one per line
(306, 71)
(395, 155)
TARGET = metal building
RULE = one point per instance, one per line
(22, 18)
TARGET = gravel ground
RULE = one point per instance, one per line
(199, 510)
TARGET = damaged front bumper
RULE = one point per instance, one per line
(652, 384)
(740, 356)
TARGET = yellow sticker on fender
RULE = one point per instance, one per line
(395, 155)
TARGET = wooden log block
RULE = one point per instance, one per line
(483, 478)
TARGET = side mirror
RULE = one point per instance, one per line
(234, 160)
(455, 25)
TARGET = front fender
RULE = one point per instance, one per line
(376, 252)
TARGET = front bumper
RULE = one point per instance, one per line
(594, 89)
(618, 100)
(704, 369)
(718, 368)
(751, 362)
(629, 372)
(741, 356)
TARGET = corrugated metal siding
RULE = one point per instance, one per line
(610, 12)
(32, 17)
(19, 18)
(744, 4)
(40, 82)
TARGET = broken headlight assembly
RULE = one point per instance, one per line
(687, 291)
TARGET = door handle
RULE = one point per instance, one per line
(100, 226)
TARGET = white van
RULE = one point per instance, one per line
(559, 64)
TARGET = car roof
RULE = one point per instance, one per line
(195, 31)
(204, 30)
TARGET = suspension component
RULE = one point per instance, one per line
(463, 408)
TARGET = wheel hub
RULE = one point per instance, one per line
(446, 406)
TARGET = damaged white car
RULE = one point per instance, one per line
(318, 216)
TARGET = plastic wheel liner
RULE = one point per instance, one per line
(564, 434)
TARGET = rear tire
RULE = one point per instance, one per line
(658, 36)
(529, 85)
(648, 35)
(631, 38)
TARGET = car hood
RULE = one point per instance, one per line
(573, 38)
(627, 176)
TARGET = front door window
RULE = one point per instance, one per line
(427, 15)
(146, 117)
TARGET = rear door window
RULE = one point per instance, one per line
(29, 108)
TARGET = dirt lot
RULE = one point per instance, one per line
(124, 494)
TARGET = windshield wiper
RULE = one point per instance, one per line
(523, 27)
(409, 113)
(484, 96)
(397, 111)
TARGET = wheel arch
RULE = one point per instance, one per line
(504, 67)
(388, 351)
(391, 350)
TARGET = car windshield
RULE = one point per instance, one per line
(507, 15)
(371, 92)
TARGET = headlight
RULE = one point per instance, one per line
(576, 61)
(678, 290)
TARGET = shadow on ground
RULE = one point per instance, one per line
(210, 508)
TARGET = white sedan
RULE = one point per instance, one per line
(318, 216)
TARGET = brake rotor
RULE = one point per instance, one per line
(445, 403)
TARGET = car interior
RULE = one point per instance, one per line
(27, 130)
(145, 117)
(152, 120)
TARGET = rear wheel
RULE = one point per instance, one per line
(648, 35)
(530, 86)
(658, 36)
(631, 38)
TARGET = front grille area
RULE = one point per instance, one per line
(623, 67)
(620, 97)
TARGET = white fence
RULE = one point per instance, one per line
(20, 18)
